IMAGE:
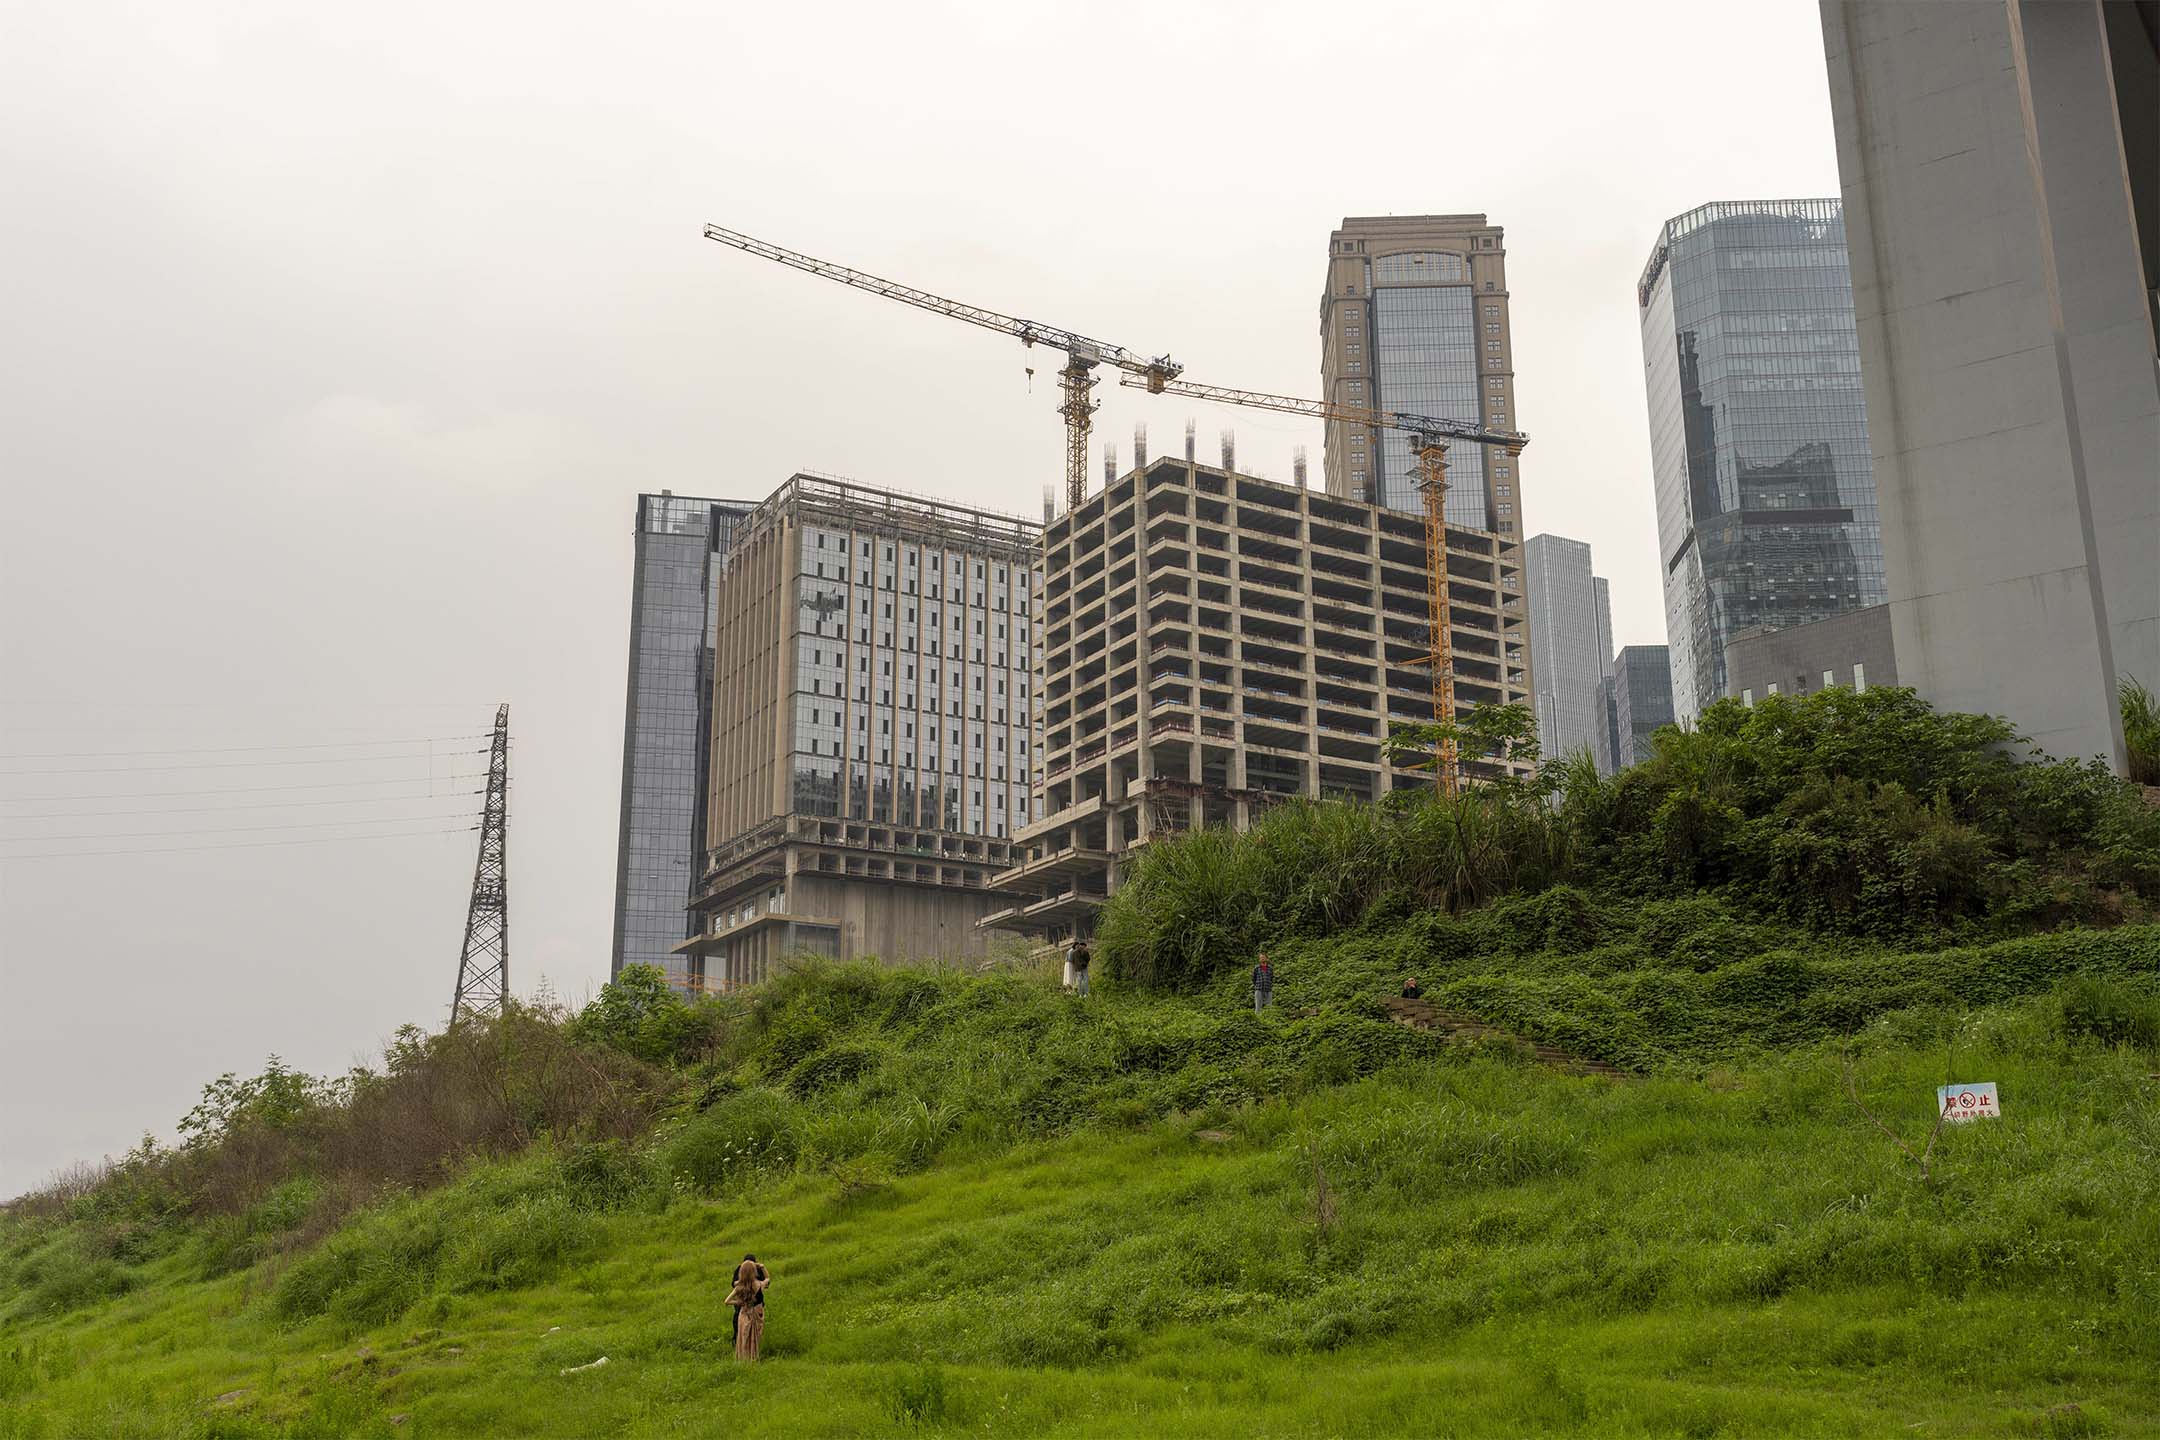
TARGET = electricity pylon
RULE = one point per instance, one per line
(483, 982)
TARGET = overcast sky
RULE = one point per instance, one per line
(339, 339)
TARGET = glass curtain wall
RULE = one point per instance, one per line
(678, 542)
(1765, 488)
(1425, 354)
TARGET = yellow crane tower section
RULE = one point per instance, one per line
(1082, 355)
(1431, 436)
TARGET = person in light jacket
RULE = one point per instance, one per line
(1076, 959)
(1263, 984)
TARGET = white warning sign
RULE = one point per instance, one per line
(1968, 1102)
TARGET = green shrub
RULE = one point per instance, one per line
(2095, 1007)
(66, 1273)
(918, 1396)
(606, 1175)
(519, 1246)
(753, 1130)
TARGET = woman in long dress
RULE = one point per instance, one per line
(748, 1298)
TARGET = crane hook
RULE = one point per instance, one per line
(1031, 379)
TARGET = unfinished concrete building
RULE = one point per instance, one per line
(873, 728)
(1213, 643)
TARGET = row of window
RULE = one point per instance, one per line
(1829, 678)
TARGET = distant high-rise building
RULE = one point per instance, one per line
(1642, 699)
(1570, 615)
(1608, 738)
(680, 542)
(1758, 432)
(874, 728)
(2000, 164)
(1415, 318)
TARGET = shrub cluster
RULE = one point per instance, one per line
(1841, 813)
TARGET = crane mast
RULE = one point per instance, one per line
(1083, 356)
(1430, 435)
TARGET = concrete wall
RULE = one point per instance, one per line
(896, 923)
(1852, 649)
(2008, 353)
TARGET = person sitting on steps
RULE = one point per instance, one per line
(1410, 990)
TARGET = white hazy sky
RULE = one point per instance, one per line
(339, 339)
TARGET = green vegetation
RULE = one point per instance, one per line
(2141, 732)
(992, 1207)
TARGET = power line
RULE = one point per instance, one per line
(235, 829)
(243, 845)
(258, 789)
(236, 749)
(249, 805)
(232, 764)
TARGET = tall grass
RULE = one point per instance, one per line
(2141, 731)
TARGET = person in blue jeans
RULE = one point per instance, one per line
(1263, 984)
(1078, 958)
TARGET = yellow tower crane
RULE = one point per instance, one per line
(1430, 436)
(1082, 355)
(1159, 376)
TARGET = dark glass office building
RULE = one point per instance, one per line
(681, 543)
(1642, 694)
(1758, 430)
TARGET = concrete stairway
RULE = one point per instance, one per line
(1424, 1015)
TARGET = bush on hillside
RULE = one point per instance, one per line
(1863, 814)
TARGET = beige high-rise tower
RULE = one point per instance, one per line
(1415, 318)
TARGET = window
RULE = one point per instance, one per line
(1492, 327)
(1859, 676)
(1773, 687)
(1747, 697)
(1829, 678)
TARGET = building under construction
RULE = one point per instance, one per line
(1214, 642)
(873, 728)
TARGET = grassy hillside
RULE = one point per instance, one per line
(993, 1208)
(1473, 1246)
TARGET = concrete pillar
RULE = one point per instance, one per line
(2007, 356)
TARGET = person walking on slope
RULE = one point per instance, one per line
(1263, 984)
(748, 1298)
(1077, 958)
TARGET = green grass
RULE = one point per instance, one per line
(1501, 1250)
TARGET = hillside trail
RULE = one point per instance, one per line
(1422, 1014)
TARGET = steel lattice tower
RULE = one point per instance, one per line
(483, 982)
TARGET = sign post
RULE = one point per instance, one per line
(1968, 1102)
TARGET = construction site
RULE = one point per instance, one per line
(930, 724)
(1215, 643)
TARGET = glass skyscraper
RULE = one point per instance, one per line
(1415, 318)
(1758, 430)
(680, 544)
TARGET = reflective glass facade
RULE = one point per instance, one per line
(1425, 352)
(679, 544)
(1642, 693)
(1414, 318)
(1758, 430)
